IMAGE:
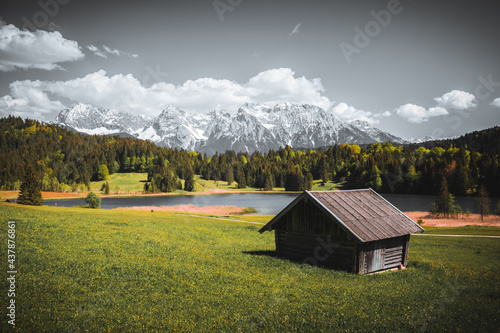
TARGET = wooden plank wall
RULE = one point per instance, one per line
(307, 234)
(383, 254)
(326, 251)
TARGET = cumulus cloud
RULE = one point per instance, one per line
(39, 49)
(350, 113)
(28, 102)
(418, 114)
(457, 100)
(108, 50)
(496, 102)
(128, 94)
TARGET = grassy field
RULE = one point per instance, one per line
(210, 185)
(128, 182)
(133, 184)
(105, 270)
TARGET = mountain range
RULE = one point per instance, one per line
(254, 127)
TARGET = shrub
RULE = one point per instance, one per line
(93, 200)
(420, 221)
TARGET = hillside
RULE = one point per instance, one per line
(69, 161)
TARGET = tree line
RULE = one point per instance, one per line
(68, 161)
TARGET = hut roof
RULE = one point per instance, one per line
(362, 213)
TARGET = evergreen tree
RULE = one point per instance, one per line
(484, 200)
(269, 184)
(241, 180)
(189, 181)
(446, 201)
(30, 193)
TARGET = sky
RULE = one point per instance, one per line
(412, 68)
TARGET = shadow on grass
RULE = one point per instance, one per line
(267, 253)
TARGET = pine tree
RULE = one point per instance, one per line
(189, 181)
(484, 200)
(30, 193)
(446, 201)
(241, 180)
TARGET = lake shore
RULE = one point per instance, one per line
(4, 195)
(458, 221)
(192, 209)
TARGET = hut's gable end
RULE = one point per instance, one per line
(306, 218)
(383, 254)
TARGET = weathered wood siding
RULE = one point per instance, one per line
(308, 235)
(384, 254)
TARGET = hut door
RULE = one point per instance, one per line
(374, 257)
(378, 258)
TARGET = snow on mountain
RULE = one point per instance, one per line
(255, 127)
(175, 128)
(91, 119)
(243, 132)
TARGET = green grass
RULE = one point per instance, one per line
(99, 270)
(203, 185)
(128, 182)
(329, 186)
(467, 230)
(134, 183)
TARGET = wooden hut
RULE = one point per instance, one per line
(13, 200)
(355, 230)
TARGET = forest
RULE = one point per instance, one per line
(69, 161)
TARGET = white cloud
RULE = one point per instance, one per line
(417, 114)
(39, 49)
(457, 100)
(28, 102)
(126, 93)
(496, 102)
(94, 49)
(295, 30)
(278, 85)
(349, 113)
(108, 50)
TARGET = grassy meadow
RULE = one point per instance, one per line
(127, 182)
(106, 270)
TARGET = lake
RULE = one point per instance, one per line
(265, 203)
